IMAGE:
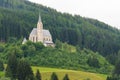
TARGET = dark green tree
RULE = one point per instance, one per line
(93, 62)
(54, 76)
(58, 44)
(117, 68)
(113, 77)
(24, 71)
(11, 70)
(1, 65)
(116, 72)
(66, 77)
(38, 75)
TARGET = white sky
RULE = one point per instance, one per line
(107, 11)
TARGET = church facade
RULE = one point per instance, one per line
(41, 35)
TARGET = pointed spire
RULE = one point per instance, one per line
(39, 18)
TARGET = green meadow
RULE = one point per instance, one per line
(73, 75)
(1, 74)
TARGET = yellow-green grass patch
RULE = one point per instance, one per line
(2, 74)
(73, 75)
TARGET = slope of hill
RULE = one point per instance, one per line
(18, 17)
(63, 56)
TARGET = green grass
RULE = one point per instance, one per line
(1, 74)
(73, 75)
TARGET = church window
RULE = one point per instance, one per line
(33, 39)
(36, 39)
(44, 39)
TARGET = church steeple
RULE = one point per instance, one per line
(39, 30)
(39, 20)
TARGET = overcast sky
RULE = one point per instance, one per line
(107, 11)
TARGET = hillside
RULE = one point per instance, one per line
(18, 17)
(63, 56)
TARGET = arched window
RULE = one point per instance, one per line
(33, 39)
(36, 39)
(44, 39)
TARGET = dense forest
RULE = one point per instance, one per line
(18, 17)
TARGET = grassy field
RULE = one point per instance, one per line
(2, 74)
(73, 75)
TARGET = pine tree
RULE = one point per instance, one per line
(11, 70)
(54, 76)
(24, 71)
(66, 77)
(117, 68)
(1, 65)
(38, 75)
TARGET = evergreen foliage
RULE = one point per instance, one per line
(76, 30)
(24, 71)
(117, 68)
(66, 77)
(113, 77)
(54, 76)
(1, 65)
(87, 34)
(116, 73)
(11, 70)
(66, 56)
(38, 75)
(92, 61)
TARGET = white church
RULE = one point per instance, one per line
(40, 35)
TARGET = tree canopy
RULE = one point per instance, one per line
(75, 30)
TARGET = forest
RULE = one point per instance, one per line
(18, 17)
(81, 43)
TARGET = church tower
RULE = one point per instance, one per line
(39, 30)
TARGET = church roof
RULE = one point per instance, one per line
(34, 31)
(45, 32)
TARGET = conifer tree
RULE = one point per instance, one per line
(54, 76)
(11, 70)
(66, 77)
(1, 65)
(117, 69)
(24, 71)
(38, 75)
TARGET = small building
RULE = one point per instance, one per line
(24, 41)
(41, 35)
